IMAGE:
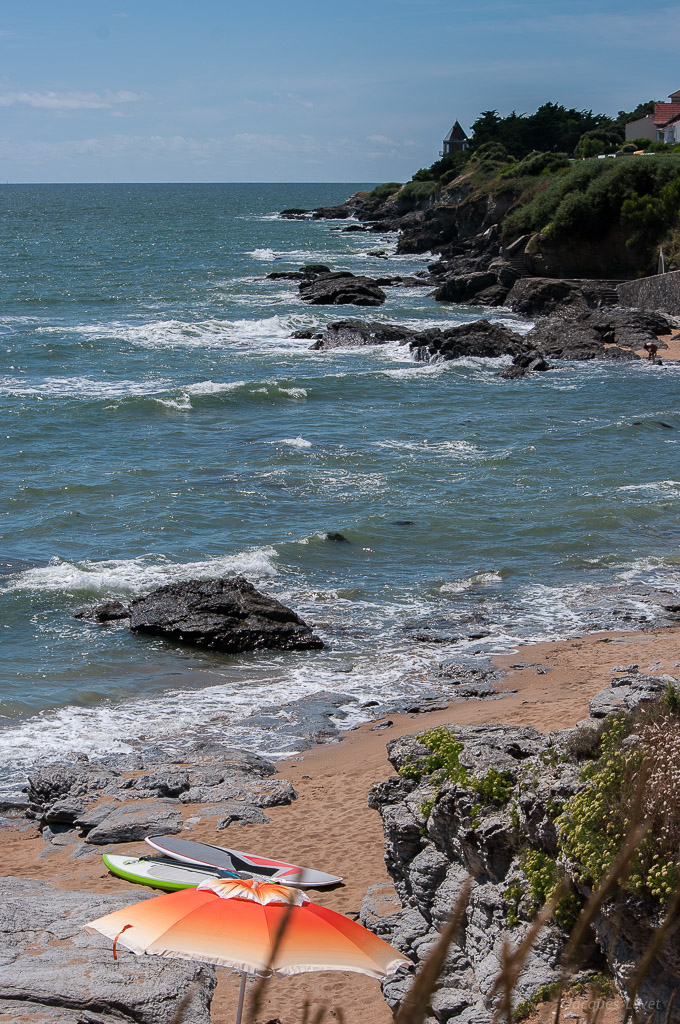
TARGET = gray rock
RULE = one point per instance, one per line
(221, 614)
(132, 823)
(229, 813)
(51, 971)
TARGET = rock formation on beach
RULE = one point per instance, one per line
(223, 614)
(484, 802)
(51, 972)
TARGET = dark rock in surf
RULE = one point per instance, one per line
(314, 269)
(223, 615)
(341, 289)
(399, 282)
(464, 288)
(481, 339)
(595, 334)
(356, 334)
(524, 364)
(109, 611)
(336, 537)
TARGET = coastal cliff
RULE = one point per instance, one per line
(499, 220)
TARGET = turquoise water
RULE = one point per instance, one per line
(158, 422)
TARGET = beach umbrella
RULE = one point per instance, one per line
(255, 927)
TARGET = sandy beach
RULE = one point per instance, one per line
(330, 825)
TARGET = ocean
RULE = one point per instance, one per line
(159, 423)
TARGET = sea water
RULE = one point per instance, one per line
(159, 423)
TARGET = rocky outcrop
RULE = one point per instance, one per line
(543, 296)
(495, 811)
(124, 799)
(599, 334)
(525, 363)
(221, 614)
(435, 838)
(51, 971)
(357, 334)
(481, 338)
(341, 289)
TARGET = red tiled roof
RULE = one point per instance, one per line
(665, 112)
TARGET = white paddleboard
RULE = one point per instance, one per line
(225, 859)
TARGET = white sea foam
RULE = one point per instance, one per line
(662, 486)
(180, 404)
(211, 387)
(294, 392)
(266, 255)
(478, 579)
(208, 334)
(294, 442)
(81, 387)
(126, 577)
(460, 449)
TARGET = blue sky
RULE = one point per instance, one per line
(301, 90)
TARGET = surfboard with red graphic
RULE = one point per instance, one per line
(225, 859)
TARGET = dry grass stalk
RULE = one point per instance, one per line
(513, 960)
(669, 1011)
(184, 1003)
(667, 927)
(414, 1005)
(609, 883)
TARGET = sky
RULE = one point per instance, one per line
(302, 90)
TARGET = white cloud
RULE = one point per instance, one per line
(61, 101)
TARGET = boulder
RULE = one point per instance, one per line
(358, 333)
(464, 288)
(132, 823)
(597, 334)
(567, 339)
(52, 972)
(481, 338)
(525, 363)
(223, 615)
(543, 296)
(341, 289)
(109, 611)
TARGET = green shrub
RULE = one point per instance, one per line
(443, 765)
(537, 163)
(512, 897)
(385, 190)
(636, 773)
(592, 197)
(544, 880)
(415, 192)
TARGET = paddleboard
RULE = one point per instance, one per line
(223, 858)
(160, 872)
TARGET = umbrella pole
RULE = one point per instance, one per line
(241, 997)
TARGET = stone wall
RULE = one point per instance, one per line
(661, 293)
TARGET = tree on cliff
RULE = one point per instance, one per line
(553, 127)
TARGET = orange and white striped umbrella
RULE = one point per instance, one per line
(235, 923)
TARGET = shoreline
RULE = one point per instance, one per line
(330, 826)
